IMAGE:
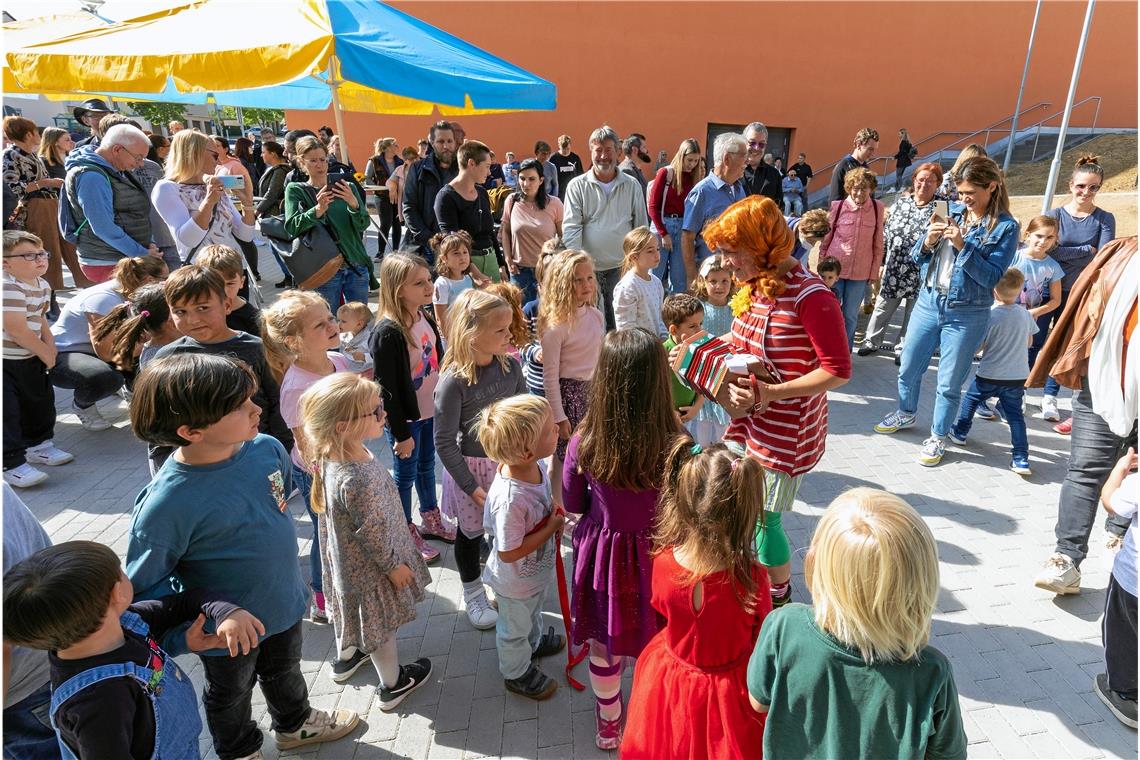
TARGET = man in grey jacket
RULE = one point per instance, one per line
(601, 207)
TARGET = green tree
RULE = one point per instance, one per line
(159, 113)
(262, 116)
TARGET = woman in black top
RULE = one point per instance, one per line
(271, 188)
(379, 170)
(903, 156)
(463, 204)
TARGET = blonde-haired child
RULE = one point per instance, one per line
(406, 349)
(1041, 292)
(690, 684)
(570, 331)
(356, 322)
(531, 353)
(638, 295)
(713, 288)
(230, 264)
(452, 260)
(477, 370)
(300, 337)
(378, 574)
(523, 525)
(873, 573)
(513, 295)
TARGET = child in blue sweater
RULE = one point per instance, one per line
(215, 516)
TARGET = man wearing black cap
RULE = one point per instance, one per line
(88, 114)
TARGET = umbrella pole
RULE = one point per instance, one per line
(334, 87)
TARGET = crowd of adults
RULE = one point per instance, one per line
(120, 197)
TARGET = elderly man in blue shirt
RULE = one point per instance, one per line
(711, 196)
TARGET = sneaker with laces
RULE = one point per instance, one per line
(434, 527)
(321, 726)
(479, 612)
(342, 670)
(426, 550)
(412, 676)
(533, 683)
(985, 412)
(1123, 708)
(894, 422)
(933, 449)
(317, 614)
(956, 437)
(1113, 542)
(47, 454)
(24, 476)
(1059, 575)
(1020, 465)
(90, 418)
(1049, 409)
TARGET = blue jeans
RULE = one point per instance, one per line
(1010, 398)
(1038, 342)
(793, 205)
(526, 282)
(350, 283)
(418, 470)
(671, 269)
(957, 333)
(304, 482)
(28, 734)
(1052, 387)
(850, 294)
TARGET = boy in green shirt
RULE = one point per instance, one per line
(684, 316)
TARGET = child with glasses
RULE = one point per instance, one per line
(29, 352)
(378, 575)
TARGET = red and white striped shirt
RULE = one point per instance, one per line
(802, 330)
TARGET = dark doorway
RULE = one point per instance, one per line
(779, 138)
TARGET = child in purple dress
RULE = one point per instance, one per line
(611, 477)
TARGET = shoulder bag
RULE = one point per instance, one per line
(314, 256)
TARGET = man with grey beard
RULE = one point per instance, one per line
(423, 183)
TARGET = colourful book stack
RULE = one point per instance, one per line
(702, 366)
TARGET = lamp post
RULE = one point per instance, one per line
(1055, 167)
(1021, 89)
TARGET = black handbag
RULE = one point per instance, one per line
(314, 256)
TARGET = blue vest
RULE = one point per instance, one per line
(176, 720)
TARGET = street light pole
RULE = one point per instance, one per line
(1021, 89)
(1055, 167)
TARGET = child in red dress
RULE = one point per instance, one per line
(689, 695)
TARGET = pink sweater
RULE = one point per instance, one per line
(571, 351)
(856, 239)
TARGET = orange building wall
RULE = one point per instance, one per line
(653, 68)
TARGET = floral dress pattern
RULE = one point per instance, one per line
(364, 535)
(20, 169)
(905, 224)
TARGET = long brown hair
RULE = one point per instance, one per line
(629, 422)
(710, 503)
(980, 172)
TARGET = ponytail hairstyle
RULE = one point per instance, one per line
(635, 241)
(981, 172)
(331, 408)
(129, 323)
(1041, 222)
(281, 326)
(466, 318)
(513, 295)
(710, 503)
(132, 273)
(444, 243)
(973, 150)
(1088, 163)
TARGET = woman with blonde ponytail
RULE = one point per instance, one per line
(792, 326)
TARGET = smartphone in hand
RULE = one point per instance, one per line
(335, 177)
(232, 181)
(941, 211)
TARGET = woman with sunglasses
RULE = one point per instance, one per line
(1082, 230)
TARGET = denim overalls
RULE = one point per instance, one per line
(177, 723)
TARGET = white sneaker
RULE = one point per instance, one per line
(1059, 575)
(46, 453)
(90, 418)
(1049, 409)
(24, 476)
(479, 612)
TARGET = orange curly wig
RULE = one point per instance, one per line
(755, 225)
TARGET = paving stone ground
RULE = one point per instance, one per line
(1023, 660)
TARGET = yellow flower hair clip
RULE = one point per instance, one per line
(742, 301)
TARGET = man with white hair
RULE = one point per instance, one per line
(104, 209)
(601, 207)
(760, 176)
(711, 196)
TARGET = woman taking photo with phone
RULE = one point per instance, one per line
(961, 259)
(331, 200)
(193, 202)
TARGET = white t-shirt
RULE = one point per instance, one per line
(447, 290)
(512, 510)
(637, 303)
(70, 330)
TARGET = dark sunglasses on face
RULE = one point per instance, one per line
(378, 413)
(28, 256)
(756, 144)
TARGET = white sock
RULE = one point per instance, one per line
(386, 663)
(473, 590)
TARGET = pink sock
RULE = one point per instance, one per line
(319, 598)
(605, 679)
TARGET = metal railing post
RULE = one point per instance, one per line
(1021, 89)
(1055, 167)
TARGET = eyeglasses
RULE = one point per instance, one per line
(1090, 188)
(133, 155)
(315, 161)
(378, 413)
(29, 256)
(757, 144)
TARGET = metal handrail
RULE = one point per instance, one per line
(1096, 115)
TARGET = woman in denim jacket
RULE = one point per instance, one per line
(961, 260)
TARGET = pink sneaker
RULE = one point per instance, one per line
(609, 731)
(426, 550)
(432, 525)
(1064, 428)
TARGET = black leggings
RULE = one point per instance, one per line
(467, 556)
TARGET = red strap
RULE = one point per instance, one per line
(572, 658)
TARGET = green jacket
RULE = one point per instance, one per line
(347, 226)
